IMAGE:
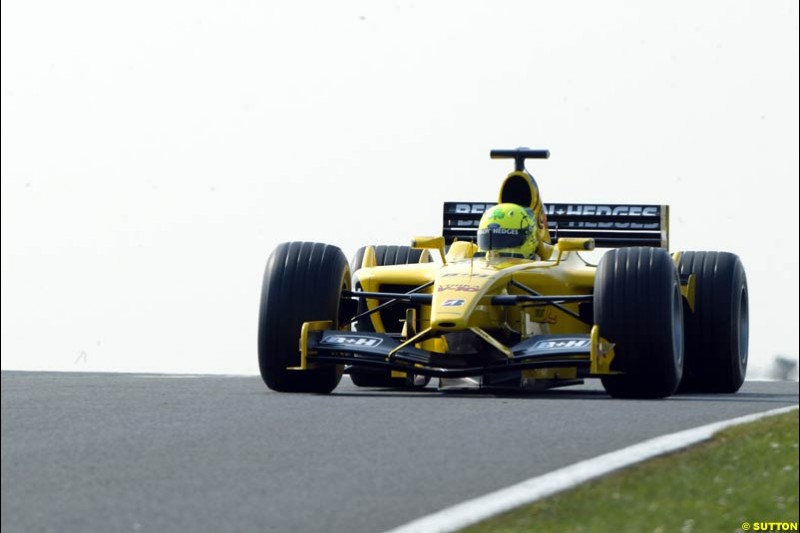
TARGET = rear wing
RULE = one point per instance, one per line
(610, 225)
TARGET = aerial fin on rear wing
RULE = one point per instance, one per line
(610, 225)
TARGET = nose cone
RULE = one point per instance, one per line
(451, 306)
(456, 292)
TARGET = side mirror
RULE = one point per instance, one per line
(430, 243)
(573, 244)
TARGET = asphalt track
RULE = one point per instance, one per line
(123, 452)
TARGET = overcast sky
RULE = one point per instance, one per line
(154, 153)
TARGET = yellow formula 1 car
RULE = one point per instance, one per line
(510, 304)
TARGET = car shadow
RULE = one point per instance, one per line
(430, 392)
(762, 397)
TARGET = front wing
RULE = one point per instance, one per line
(589, 354)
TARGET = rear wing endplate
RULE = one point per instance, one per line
(610, 225)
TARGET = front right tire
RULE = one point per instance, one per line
(303, 282)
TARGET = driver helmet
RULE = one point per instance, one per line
(508, 229)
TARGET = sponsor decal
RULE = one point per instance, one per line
(570, 210)
(458, 287)
(495, 229)
(453, 274)
(560, 344)
(352, 340)
(592, 210)
(468, 223)
(604, 225)
(453, 303)
(603, 210)
(473, 209)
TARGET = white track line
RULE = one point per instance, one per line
(472, 511)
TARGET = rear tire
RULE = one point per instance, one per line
(384, 256)
(303, 281)
(717, 331)
(638, 307)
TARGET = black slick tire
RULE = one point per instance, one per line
(638, 307)
(717, 330)
(303, 281)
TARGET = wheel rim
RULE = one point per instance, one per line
(677, 325)
(744, 326)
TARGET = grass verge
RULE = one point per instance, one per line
(745, 474)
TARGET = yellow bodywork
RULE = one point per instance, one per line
(688, 288)
(462, 290)
(308, 327)
(462, 286)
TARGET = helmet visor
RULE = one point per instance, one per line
(500, 238)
